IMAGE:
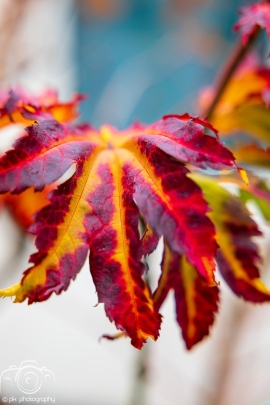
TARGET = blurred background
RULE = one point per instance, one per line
(136, 59)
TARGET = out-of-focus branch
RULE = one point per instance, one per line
(138, 394)
(223, 369)
(12, 15)
(236, 57)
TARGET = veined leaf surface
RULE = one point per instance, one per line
(238, 256)
(119, 176)
(195, 301)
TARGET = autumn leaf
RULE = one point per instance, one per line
(258, 191)
(244, 105)
(18, 107)
(149, 240)
(260, 198)
(23, 206)
(119, 178)
(42, 156)
(238, 256)
(195, 301)
(251, 17)
(252, 154)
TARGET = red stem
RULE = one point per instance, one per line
(227, 72)
(232, 64)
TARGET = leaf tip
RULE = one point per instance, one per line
(243, 174)
(10, 291)
(209, 266)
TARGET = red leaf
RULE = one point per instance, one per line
(242, 229)
(119, 176)
(251, 17)
(43, 156)
(173, 206)
(18, 107)
(115, 259)
(149, 241)
(183, 138)
(195, 302)
(238, 255)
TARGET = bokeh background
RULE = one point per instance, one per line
(136, 59)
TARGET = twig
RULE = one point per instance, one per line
(236, 57)
(223, 370)
(138, 394)
(233, 62)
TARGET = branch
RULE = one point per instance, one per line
(232, 64)
(236, 57)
